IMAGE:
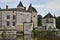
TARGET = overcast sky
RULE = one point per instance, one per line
(42, 6)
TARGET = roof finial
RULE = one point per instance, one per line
(54, 16)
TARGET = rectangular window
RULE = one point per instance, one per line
(13, 23)
(8, 23)
(14, 17)
(8, 16)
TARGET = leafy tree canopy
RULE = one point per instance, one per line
(39, 20)
(58, 22)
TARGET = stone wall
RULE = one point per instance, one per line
(34, 19)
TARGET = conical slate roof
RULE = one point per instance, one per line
(20, 4)
(48, 15)
(30, 9)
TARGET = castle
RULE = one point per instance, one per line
(24, 20)
(14, 18)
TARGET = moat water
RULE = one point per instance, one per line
(26, 37)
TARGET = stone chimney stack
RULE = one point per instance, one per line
(6, 6)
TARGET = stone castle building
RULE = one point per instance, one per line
(15, 17)
(49, 22)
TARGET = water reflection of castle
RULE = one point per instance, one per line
(8, 37)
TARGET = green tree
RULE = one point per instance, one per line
(58, 22)
(39, 20)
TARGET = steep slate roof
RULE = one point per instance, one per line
(48, 16)
(20, 4)
(34, 10)
(30, 9)
(15, 9)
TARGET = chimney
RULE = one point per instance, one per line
(6, 6)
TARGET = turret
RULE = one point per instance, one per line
(31, 9)
(20, 4)
(21, 7)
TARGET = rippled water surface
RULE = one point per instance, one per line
(26, 37)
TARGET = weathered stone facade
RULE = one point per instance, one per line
(15, 17)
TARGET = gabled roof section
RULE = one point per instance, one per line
(20, 4)
(31, 9)
(49, 15)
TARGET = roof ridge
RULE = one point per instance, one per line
(49, 15)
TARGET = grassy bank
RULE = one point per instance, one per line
(45, 34)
